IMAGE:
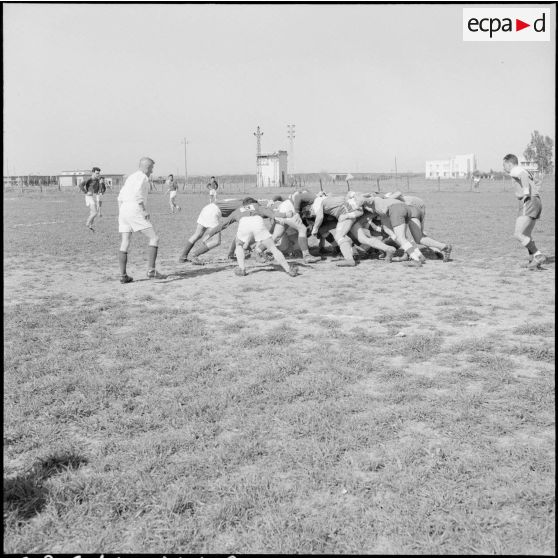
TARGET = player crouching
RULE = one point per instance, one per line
(251, 227)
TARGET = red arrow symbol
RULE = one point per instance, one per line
(519, 25)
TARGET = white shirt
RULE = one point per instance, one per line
(135, 189)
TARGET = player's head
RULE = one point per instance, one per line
(249, 201)
(510, 161)
(278, 198)
(146, 165)
(171, 176)
(96, 171)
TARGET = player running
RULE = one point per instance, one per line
(91, 188)
(251, 227)
(530, 209)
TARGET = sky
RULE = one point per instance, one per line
(365, 85)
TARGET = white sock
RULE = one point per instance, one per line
(537, 253)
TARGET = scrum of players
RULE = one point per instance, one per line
(355, 225)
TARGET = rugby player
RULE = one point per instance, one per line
(90, 188)
(530, 209)
(251, 227)
(133, 217)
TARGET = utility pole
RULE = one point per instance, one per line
(396, 167)
(258, 133)
(185, 163)
(291, 137)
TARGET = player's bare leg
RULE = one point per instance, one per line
(279, 258)
(364, 237)
(240, 258)
(92, 215)
(205, 246)
(199, 232)
(412, 250)
(420, 237)
(344, 242)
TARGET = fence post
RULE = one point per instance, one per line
(378, 184)
(438, 184)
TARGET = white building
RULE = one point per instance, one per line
(530, 166)
(272, 170)
(460, 166)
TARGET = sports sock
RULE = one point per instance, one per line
(152, 256)
(346, 250)
(186, 250)
(531, 248)
(537, 253)
(122, 260)
(303, 243)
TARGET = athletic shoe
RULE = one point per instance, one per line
(447, 253)
(232, 257)
(346, 263)
(403, 258)
(293, 271)
(240, 272)
(126, 279)
(309, 258)
(526, 265)
(196, 261)
(537, 261)
(90, 227)
(413, 263)
(179, 208)
(154, 274)
(388, 257)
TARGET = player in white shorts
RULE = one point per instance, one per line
(292, 223)
(251, 227)
(90, 188)
(209, 218)
(99, 195)
(172, 189)
(530, 209)
(134, 217)
(213, 187)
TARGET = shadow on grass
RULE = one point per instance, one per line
(25, 495)
(198, 272)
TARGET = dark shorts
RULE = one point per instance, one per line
(399, 214)
(416, 212)
(531, 208)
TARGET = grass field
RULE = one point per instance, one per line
(376, 409)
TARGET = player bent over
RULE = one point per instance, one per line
(133, 217)
(251, 226)
(530, 209)
(209, 219)
(395, 216)
(294, 222)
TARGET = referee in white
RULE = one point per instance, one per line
(133, 217)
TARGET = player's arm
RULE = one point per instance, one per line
(233, 217)
(386, 225)
(525, 186)
(83, 186)
(351, 215)
(318, 220)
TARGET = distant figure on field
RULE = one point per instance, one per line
(99, 196)
(91, 188)
(530, 208)
(133, 217)
(476, 183)
(172, 189)
(212, 186)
